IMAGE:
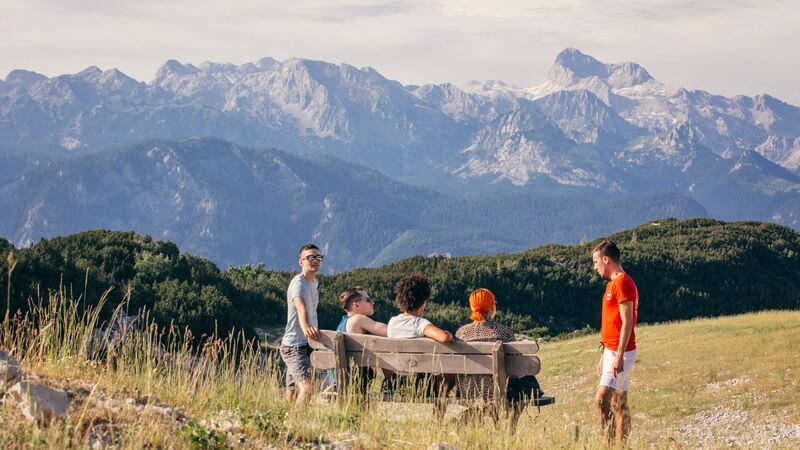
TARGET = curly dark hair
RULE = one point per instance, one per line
(412, 292)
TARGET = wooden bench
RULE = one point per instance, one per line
(340, 352)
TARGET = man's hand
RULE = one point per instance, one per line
(600, 366)
(619, 364)
(311, 332)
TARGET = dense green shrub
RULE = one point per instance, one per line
(178, 289)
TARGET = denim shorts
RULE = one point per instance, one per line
(298, 364)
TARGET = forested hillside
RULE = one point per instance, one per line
(237, 205)
(684, 269)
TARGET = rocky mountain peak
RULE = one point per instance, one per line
(571, 66)
(174, 67)
(91, 72)
(776, 116)
(753, 160)
(266, 63)
(764, 102)
(438, 91)
(23, 78)
(579, 63)
(110, 82)
(683, 134)
(627, 74)
(117, 75)
(262, 65)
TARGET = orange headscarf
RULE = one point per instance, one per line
(481, 301)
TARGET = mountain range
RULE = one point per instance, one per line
(589, 131)
(239, 205)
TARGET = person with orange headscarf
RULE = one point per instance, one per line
(478, 390)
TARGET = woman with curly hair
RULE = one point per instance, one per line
(413, 292)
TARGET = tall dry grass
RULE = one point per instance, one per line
(689, 373)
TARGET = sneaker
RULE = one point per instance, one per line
(329, 393)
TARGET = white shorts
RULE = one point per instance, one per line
(607, 378)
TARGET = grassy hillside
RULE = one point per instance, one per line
(706, 382)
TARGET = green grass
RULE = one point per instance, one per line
(746, 365)
(706, 382)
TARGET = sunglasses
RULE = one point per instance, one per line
(319, 258)
(366, 299)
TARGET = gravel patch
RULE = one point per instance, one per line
(727, 428)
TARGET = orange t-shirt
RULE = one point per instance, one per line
(619, 290)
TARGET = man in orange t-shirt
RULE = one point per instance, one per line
(620, 307)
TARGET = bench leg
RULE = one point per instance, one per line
(494, 413)
(439, 386)
(505, 410)
(516, 411)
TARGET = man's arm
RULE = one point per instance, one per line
(626, 313)
(302, 316)
(361, 323)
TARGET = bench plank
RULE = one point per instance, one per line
(378, 344)
(340, 363)
(405, 363)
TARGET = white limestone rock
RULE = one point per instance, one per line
(10, 371)
(40, 402)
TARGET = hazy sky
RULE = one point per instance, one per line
(724, 46)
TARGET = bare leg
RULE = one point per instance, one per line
(306, 388)
(623, 415)
(441, 385)
(290, 396)
(603, 400)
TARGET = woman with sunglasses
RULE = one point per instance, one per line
(358, 308)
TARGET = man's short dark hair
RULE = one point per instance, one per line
(348, 296)
(308, 247)
(412, 292)
(607, 248)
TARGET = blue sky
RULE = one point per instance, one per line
(727, 47)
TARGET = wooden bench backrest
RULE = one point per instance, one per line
(424, 355)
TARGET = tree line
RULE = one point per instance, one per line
(683, 268)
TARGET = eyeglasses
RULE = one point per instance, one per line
(319, 258)
(366, 299)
